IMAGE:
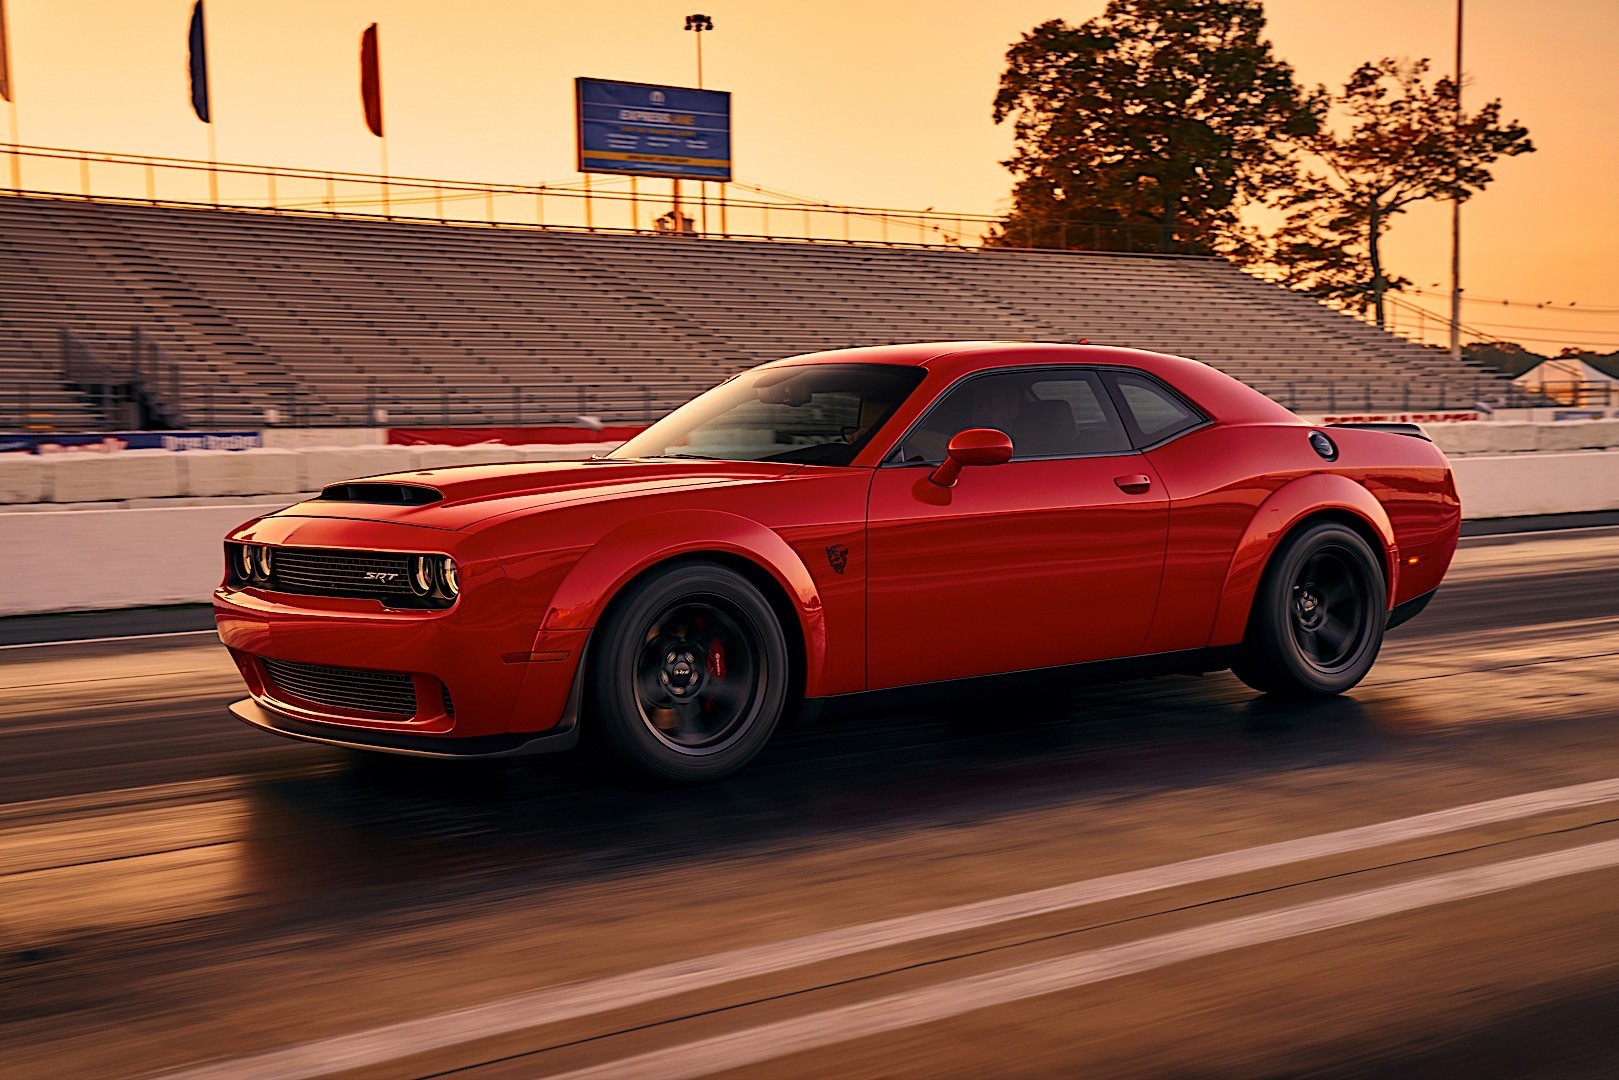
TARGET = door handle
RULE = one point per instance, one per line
(1133, 485)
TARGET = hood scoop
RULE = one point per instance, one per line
(380, 493)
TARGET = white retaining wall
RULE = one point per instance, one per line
(1510, 437)
(157, 474)
(94, 559)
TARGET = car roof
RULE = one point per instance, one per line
(964, 354)
(1217, 393)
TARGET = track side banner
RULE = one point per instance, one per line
(111, 442)
(644, 130)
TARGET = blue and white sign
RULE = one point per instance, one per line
(646, 130)
(56, 442)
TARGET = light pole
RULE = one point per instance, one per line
(697, 24)
(1456, 216)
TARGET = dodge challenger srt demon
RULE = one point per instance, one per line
(831, 525)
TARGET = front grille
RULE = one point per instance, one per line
(384, 692)
(449, 705)
(366, 575)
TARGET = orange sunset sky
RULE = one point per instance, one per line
(877, 104)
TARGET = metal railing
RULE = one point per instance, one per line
(595, 204)
(206, 404)
(1481, 391)
(383, 402)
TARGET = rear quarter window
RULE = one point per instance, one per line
(1153, 412)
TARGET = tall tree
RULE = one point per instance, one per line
(1152, 122)
(1393, 139)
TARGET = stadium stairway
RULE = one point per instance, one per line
(325, 318)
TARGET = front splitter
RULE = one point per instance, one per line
(469, 748)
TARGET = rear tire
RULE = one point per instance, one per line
(689, 675)
(1318, 617)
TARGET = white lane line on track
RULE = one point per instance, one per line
(767, 1042)
(105, 640)
(573, 1000)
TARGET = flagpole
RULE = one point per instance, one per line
(213, 167)
(16, 154)
(8, 90)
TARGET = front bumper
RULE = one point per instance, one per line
(479, 670)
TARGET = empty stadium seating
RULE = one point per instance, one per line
(326, 320)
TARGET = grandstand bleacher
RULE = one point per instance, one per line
(326, 320)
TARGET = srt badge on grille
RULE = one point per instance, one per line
(838, 556)
(378, 575)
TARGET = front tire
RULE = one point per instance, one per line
(1318, 617)
(689, 674)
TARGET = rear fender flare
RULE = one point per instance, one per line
(635, 546)
(1277, 516)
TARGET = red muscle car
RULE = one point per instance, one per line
(831, 525)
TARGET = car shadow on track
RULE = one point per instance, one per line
(381, 832)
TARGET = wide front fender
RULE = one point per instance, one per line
(637, 546)
(1287, 506)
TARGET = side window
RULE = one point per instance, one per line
(1153, 412)
(1047, 412)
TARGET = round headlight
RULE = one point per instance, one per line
(244, 561)
(261, 562)
(421, 575)
(448, 578)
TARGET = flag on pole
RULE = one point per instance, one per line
(5, 56)
(370, 80)
(199, 66)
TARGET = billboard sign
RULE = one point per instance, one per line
(111, 442)
(645, 130)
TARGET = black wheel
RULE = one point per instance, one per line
(688, 675)
(1318, 616)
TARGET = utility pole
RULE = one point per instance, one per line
(1456, 217)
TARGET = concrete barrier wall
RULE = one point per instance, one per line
(94, 559)
(156, 474)
(1508, 437)
(1522, 485)
(301, 438)
(161, 474)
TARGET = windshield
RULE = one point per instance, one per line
(817, 414)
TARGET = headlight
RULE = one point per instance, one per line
(244, 562)
(421, 574)
(261, 562)
(447, 577)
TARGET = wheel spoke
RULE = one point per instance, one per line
(1312, 568)
(688, 720)
(1334, 633)
(1308, 642)
(648, 687)
(722, 695)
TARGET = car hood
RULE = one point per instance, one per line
(460, 496)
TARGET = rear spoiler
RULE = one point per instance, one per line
(1398, 429)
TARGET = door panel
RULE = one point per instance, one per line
(1024, 565)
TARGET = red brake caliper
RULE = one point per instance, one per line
(716, 665)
